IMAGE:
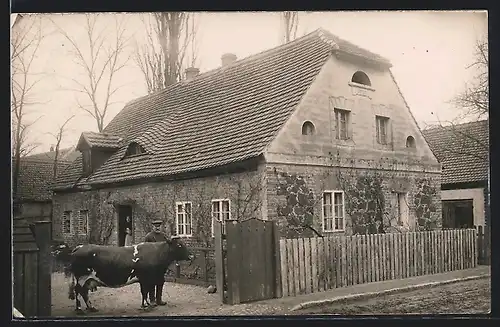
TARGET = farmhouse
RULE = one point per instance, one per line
(36, 173)
(463, 151)
(314, 134)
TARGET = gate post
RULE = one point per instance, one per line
(43, 238)
(219, 261)
(277, 261)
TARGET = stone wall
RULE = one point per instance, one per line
(295, 198)
(157, 201)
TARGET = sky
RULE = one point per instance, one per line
(429, 52)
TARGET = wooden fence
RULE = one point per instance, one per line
(315, 264)
(200, 272)
(484, 245)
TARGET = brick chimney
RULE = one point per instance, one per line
(228, 58)
(191, 72)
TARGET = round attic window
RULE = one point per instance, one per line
(308, 128)
(410, 142)
(361, 78)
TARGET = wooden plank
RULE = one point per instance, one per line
(314, 265)
(461, 249)
(404, 255)
(343, 240)
(333, 261)
(385, 256)
(438, 251)
(364, 259)
(475, 250)
(338, 262)
(466, 249)
(284, 268)
(31, 285)
(417, 250)
(469, 249)
(321, 264)
(18, 263)
(359, 259)
(302, 286)
(296, 249)
(328, 281)
(376, 266)
(349, 260)
(278, 290)
(355, 259)
(395, 255)
(449, 250)
(307, 266)
(433, 253)
(219, 262)
(400, 251)
(425, 249)
(291, 267)
(371, 260)
(422, 249)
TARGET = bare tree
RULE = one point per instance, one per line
(170, 46)
(290, 24)
(473, 101)
(58, 138)
(101, 58)
(26, 38)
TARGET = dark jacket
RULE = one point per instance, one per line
(156, 237)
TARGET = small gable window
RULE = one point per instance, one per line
(308, 128)
(134, 149)
(410, 142)
(361, 78)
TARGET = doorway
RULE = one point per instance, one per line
(124, 222)
(458, 214)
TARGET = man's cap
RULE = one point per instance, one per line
(157, 222)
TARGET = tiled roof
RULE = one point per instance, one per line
(102, 140)
(222, 116)
(67, 154)
(35, 178)
(463, 151)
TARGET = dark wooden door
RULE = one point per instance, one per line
(458, 214)
(252, 265)
(124, 222)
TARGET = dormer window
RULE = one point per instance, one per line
(134, 149)
(308, 128)
(361, 78)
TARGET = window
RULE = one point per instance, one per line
(83, 222)
(183, 219)
(333, 211)
(382, 127)
(66, 222)
(410, 142)
(308, 128)
(341, 124)
(134, 149)
(220, 212)
(361, 78)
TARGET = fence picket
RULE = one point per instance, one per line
(333, 262)
(314, 264)
(284, 268)
(327, 263)
(307, 265)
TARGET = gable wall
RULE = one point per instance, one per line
(331, 89)
(312, 162)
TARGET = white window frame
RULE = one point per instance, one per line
(338, 113)
(70, 216)
(332, 193)
(177, 213)
(378, 122)
(220, 211)
(86, 221)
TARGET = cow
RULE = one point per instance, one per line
(91, 266)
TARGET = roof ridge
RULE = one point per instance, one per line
(478, 122)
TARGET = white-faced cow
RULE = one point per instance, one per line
(90, 266)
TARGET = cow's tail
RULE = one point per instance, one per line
(71, 289)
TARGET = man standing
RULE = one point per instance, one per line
(157, 235)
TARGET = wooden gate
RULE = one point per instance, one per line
(32, 268)
(252, 269)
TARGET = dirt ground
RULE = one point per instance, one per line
(471, 297)
(182, 300)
